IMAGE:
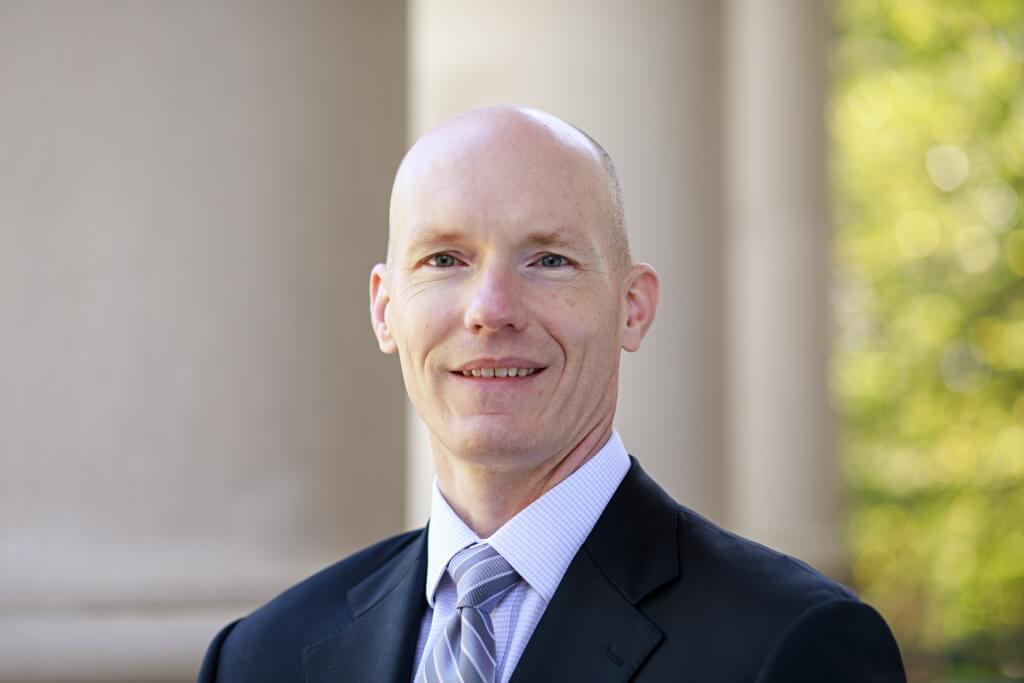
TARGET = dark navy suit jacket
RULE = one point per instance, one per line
(656, 593)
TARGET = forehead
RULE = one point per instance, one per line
(501, 180)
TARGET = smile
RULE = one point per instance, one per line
(499, 372)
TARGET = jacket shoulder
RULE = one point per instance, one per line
(721, 568)
(749, 572)
(762, 611)
(267, 644)
(736, 609)
(843, 640)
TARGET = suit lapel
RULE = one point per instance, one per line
(593, 630)
(379, 644)
(589, 632)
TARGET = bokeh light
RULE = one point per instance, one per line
(927, 125)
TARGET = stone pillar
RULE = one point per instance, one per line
(193, 411)
(782, 481)
(645, 81)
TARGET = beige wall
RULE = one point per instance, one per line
(783, 484)
(193, 413)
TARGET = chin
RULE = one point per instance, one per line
(491, 441)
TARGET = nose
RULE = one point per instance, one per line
(495, 301)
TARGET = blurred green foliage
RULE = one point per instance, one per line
(927, 121)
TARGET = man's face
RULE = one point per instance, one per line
(502, 297)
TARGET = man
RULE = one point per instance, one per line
(508, 295)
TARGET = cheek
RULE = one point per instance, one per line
(591, 341)
(423, 321)
(585, 320)
(567, 309)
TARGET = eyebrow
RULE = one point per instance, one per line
(558, 237)
(430, 236)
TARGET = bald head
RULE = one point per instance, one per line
(523, 147)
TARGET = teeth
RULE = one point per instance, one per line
(499, 372)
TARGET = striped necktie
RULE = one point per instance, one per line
(465, 650)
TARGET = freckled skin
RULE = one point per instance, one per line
(477, 205)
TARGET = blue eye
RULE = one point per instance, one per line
(553, 261)
(442, 260)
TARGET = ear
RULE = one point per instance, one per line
(641, 303)
(380, 297)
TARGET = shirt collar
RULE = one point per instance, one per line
(541, 540)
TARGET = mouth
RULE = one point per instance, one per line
(500, 372)
(506, 369)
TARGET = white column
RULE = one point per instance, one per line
(193, 411)
(644, 79)
(782, 479)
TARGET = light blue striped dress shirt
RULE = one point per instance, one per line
(539, 543)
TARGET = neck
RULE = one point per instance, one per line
(486, 497)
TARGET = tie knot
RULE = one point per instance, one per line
(481, 576)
